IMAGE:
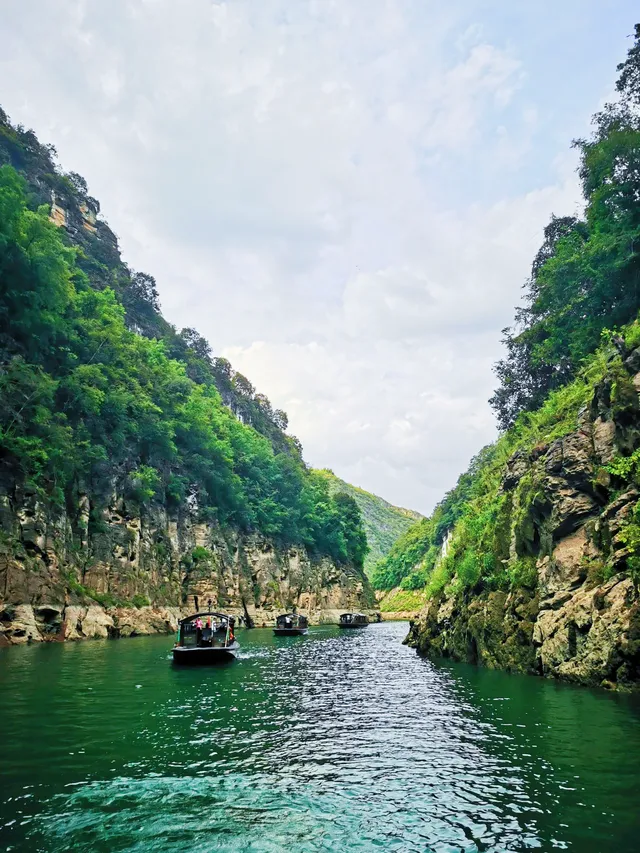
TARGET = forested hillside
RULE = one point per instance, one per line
(553, 509)
(100, 395)
(383, 522)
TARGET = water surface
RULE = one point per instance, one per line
(330, 742)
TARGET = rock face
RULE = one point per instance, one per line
(578, 616)
(113, 572)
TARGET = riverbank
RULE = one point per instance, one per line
(138, 572)
(24, 623)
(400, 604)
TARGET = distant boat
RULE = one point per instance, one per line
(353, 620)
(206, 638)
(291, 625)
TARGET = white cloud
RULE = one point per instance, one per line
(323, 189)
(394, 387)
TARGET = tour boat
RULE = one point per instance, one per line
(291, 624)
(354, 620)
(206, 638)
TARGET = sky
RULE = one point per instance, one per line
(343, 196)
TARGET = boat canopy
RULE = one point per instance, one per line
(221, 616)
(353, 619)
(294, 618)
(207, 629)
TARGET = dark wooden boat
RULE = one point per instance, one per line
(206, 638)
(291, 625)
(353, 620)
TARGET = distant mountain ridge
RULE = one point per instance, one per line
(384, 523)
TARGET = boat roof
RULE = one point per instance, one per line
(207, 613)
(351, 614)
(284, 615)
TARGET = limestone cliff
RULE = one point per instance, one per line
(571, 521)
(119, 572)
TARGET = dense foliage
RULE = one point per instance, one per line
(86, 402)
(413, 556)
(586, 276)
(99, 257)
(383, 522)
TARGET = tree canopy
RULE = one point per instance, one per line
(586, 276)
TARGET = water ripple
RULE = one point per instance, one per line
(328, 742)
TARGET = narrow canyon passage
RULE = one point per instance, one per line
(325, 742)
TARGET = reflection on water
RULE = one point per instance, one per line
(327, 742)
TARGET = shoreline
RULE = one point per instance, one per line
(25, 624)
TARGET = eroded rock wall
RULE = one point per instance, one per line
(578, 618)
(112, 571)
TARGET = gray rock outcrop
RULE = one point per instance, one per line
(115, 572)
(579, 619)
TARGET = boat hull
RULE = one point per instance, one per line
(199, 656)
(347, 627)
(290, 632)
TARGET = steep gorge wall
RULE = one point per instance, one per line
(577, 617)
(119, 572)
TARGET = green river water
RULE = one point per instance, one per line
(331, 742)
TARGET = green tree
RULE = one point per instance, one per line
(586, 276)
